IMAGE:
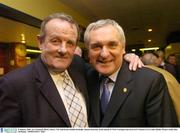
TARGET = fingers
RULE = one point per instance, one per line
(131, 58)
(140, 64)
(130, 66)
(134, 61)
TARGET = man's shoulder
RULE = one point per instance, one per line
(141, 72)
(149, 72)
(146, 74)
(145, 78)
(19, 73)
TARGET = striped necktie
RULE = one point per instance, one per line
(105, 95)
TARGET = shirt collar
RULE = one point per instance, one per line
(113, 76)
(55, 75)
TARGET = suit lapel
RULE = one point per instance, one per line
(120, 92)
(93, 86)
(49, 91)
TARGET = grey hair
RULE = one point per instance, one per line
(102, 23)
(61, 16)
(149, 59)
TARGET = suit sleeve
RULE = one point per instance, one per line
(9, 107)
(159, 108)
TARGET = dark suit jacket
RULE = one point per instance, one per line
(28, 96)
(171, 68)
(145, 103)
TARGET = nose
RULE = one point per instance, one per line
(104, 52)
(62, 49)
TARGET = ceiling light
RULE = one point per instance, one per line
(149, 40)
(33, 51)
(149, 30)
(146, 49)
(133, 50)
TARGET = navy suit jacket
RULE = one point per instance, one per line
(29, 97)
(139, 99)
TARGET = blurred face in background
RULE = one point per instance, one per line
(159, 61)
(105, 49)
(78, 51)
(172, 60)
(59, 44)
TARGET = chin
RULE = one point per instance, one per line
(62, 67)
(104, 72)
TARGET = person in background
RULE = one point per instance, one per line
(162, 64)
(150, 61)
(160, 60)
(52, 91)
(120, 97)
(78, 51)
(171, 59)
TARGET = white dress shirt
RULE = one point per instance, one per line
(110, 85)
(58, 80)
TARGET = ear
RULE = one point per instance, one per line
(39, 42)
(124, 51)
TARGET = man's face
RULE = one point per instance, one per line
(105, 50)
(59, 44)
(172, 60)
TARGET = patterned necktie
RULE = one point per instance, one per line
(105, 95)
(76, 114)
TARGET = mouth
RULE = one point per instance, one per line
(104, 62)
(61, 57)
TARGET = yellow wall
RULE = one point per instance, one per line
(11, 31)
(172, 48)
(42, 8)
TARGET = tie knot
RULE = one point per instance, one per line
(64, 75)
(105, 79)
(65, 78)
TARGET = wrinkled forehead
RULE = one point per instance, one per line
(60, 27)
